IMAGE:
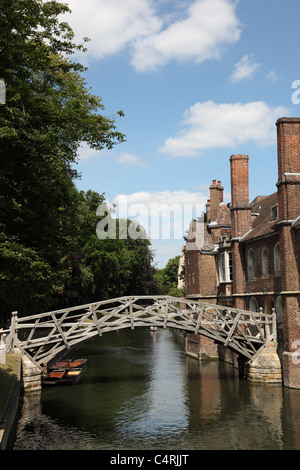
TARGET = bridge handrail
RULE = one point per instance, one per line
(145, 297)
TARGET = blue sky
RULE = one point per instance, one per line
(198, 81)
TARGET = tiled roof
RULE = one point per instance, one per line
(198, 237)
(224, 215)
(296, 223)
(262, 223)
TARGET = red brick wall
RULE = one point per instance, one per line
(191, 272)
(271, 282)
(288, 189)
(201, 275)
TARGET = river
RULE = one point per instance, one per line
(140, 391)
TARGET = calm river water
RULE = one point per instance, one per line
(140, 391)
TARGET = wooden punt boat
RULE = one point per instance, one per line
(68, 364)
(71, 376)
(77, 363)
(54, 377)
(60, 364)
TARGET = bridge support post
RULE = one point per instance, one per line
(31, 377)
(266, 368)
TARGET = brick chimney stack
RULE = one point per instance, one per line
(240, 221)
(288, 149)
(220, 192)
(288, 191)
(216, 196)
(240, 208)
(208, 210)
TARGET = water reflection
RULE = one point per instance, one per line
(39, 431)
(141, 392)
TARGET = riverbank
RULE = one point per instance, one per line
(10, 374)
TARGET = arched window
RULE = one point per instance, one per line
(278, 309)
(253, 306)
(251, 264)
(264, 263)
(269, 305)
(277, 260)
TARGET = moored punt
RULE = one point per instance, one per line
(67, 364)
(54, 377)
(71, 376)
(76, 363)
(60, 364)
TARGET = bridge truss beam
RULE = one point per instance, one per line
(42, 336)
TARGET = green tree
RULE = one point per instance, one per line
(49, 112)
(167, 278)
(116, 266)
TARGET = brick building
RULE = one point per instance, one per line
(247, 255)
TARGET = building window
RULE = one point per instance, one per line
(278, 309)
(274, 212)
(222, 272)
(251, 264)
(264, 263)
(230, 265)
(225, 266)
(253, 306)
(277, 260)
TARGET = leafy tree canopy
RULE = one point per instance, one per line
(167, 278)
(49, 112)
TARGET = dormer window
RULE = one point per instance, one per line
(274, 212)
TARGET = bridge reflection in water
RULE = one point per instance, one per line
(140, 391)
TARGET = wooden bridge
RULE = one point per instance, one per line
(41, 337)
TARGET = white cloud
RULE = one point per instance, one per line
(111, 25)
(244, 69)
(208, 25)
(86, 153)
(211, 125)
(200, 32)
(124, 158)
(272, 76)
(130, 159)
(165, 215)
(164, 251)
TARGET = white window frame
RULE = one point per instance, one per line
(225, 266)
